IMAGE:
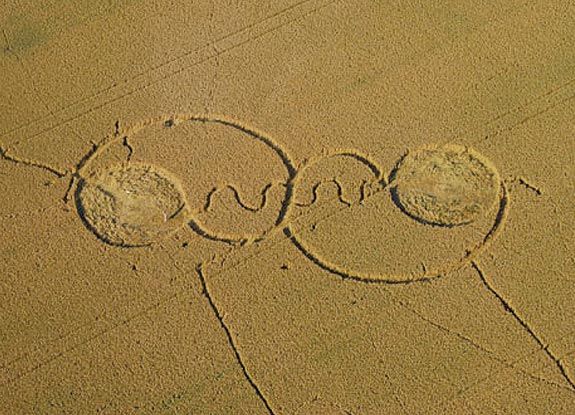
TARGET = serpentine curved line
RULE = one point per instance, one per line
(363, 159)
(286, 160)
(219, 189)
(315, 193)
(332, 268)
(315, 189)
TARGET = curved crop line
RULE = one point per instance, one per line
(282, 154)
(219, 189)
(308, 252)
(315, 189)
(179, 210)
(340, 196)
(250, 131)
(351, 153)
(498, 224)
(363, 159)
(396, 167)
(228, 239)
(343, 273)
(397, 201)
(502, 214)
(118, 134)
(365, 184)
(174, 119)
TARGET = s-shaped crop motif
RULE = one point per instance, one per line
(132, 203)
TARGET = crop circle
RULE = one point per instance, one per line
(132, 204)
(448, 185)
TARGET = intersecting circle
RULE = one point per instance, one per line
(439, 208)
(233, 185)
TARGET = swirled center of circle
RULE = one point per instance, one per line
(449, 185)
(131, 205)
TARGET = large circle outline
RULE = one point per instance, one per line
(428, 275)
(175, 119)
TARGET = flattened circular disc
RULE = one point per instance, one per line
(131, 205)
(447, 185)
